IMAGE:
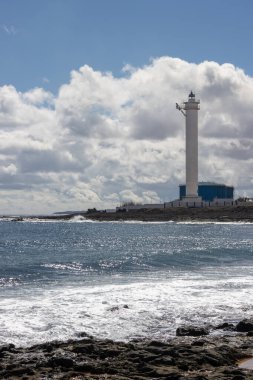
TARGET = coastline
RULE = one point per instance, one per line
(179, 214)
(200, 357)
(238, 214)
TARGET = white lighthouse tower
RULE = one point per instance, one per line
(190, 110)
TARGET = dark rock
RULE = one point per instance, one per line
(83, 334)
(60, 362)
(111, 353)
(20, 371)
(46, 347)
(114, 308)
(164, 360)
(245, 325)
(225, 326)
(186, 357)
(157, 343)
(117, 308)
(198, 343)
(150, 358)
(83, 367)
(156, 350)
(83, 349)
(183, 366)
(191, 331)
(167, 373)
(214, 361)
(233, 372)
(17, 219)
(7, 347)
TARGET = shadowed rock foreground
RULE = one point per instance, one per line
(184, 357)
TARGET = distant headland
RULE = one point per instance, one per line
(178, 214)
(240, 213)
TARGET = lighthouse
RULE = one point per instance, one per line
(190, 110)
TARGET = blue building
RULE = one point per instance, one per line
(210, 190)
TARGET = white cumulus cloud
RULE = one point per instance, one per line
(104, 140)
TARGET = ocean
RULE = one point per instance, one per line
(120, 280)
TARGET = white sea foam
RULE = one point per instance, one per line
(74, 278)
(214, 222)
(155, 308)
(82, 219)
(77, 218)
(74, 219)
(70, 266)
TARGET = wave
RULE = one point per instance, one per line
(76, 267)
(75, 219)
(214, 222)
(9, 282)
(82, 219)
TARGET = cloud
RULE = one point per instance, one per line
(9, 29)
(45, 80)
(19, 110)
(104, 140)
(39, 97)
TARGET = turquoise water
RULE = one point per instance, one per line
(120, 280)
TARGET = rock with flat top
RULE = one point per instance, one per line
(191, 331)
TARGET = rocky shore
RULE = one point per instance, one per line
(179, 214)
(176, 214)
(192, 354)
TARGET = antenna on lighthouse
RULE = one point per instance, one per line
(179, 108)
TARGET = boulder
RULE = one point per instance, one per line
(191, 331)
(7, 347)
(225, 326)
(245, 325)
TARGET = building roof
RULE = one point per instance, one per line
(208, 184)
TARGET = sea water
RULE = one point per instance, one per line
(121, 280)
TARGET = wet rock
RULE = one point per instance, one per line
(164, 360)
(18, 372)
(84, 348)
(168, 373)
(191, 331)
(245, 325)
(157, 343)
(225, 326)
(83, 334)
(7, 347)
(117, 308)
(184, 357)
(60, 362)
(19, 219)
(114, 308)
(198, 343)
(83, 367)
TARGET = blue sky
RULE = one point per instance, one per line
(77, 131)
(43, 40)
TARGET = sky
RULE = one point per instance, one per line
(87, 100)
